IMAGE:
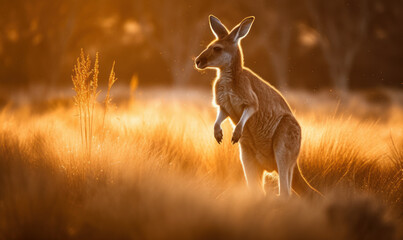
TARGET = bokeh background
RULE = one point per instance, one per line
(76, 165)
(293, 44)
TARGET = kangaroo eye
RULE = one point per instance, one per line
(217, 49)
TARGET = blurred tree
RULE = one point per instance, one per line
(35, 37)
(174, 28)
(276, 32)
(381, 50)
(305, 40)
(342, 25)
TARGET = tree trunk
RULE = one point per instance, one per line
(340, 78)
(280, 71)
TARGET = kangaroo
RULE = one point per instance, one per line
(268, 133)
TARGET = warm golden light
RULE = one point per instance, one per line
(86, 156)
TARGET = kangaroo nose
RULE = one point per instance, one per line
(201, 63)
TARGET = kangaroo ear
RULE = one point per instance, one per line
(217, 27)
(242, 29)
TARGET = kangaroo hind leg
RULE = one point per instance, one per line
(253, 171)
(286, 145)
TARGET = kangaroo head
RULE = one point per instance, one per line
(220, 53)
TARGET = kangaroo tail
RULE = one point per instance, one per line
(301, 186)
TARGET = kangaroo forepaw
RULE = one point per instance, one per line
(218, 135)
(236, 135)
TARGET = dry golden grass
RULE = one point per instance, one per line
(159, 174)
(85, 82)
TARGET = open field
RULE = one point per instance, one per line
(156, 172)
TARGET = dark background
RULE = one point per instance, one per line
(292, 44)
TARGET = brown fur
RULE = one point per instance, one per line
(269, 134)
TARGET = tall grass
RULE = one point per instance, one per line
(159, 174)
(85, 87)
(108, 98)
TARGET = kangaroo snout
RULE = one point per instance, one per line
(201, 62)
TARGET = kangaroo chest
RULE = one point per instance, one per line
(228, 99)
